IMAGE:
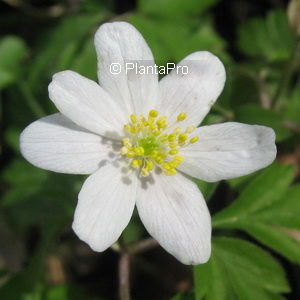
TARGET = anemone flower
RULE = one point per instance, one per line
(137, 138)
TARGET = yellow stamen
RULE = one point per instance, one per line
(194, 139)
(136, 163)
(133, 129)
(149, 165)
(130, 154)
(173, 152)
(153, 113)
(182, 138)
(149, 146)
(133, 119)
(170, 172)
(178, 158)
(181, 117)
(173, 144)
(172, 137)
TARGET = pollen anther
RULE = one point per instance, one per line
(194, 139)
(149, 144)
(181, 117)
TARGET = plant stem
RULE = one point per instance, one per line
(142, 246)
(127, 251)
(286, 76)
(124, 276)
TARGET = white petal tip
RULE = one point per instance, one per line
(118, 25)
(87, 237)
(201, 259)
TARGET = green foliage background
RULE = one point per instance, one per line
(256, 218)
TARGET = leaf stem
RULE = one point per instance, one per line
(286, 76)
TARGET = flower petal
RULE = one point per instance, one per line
(85, 103)
(174, 212)
(57, 144)
(229, 150)
(119, 44)
(105, 205)
(195, 92)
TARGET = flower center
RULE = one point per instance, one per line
(151, 142)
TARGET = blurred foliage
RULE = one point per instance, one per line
(12, 52)
(270, 38)
(256, 221)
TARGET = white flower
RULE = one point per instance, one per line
(138, 139)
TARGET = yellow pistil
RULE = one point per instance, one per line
(149, 144)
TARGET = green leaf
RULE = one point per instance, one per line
(261, 192)
(174, 8)
(12, 51)
(240, 183)
(255, 114)
(278, 226)
(270, 38)
(284, 212)
(239, 270)
(275, 237)
(268, 209)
